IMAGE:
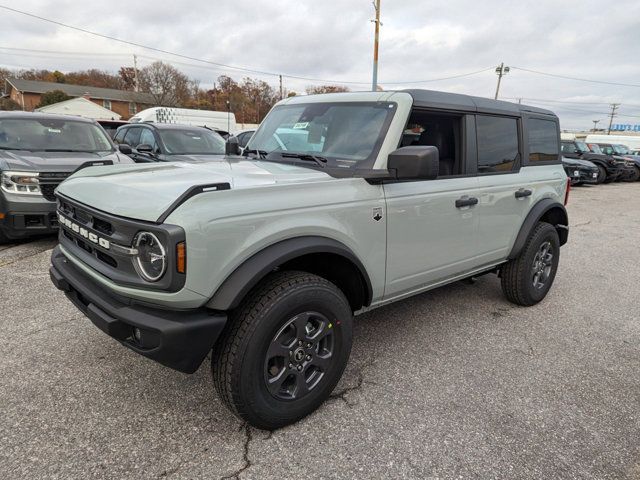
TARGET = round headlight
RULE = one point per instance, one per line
(151, 260)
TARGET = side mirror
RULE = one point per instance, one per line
(144, 148)
(414, 162)
(124, 148)
(232, 147)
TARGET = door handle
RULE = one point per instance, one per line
(466, 201)
(523, 192)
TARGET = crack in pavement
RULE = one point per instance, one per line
(341, 395)
(23, 258)
(245, 455)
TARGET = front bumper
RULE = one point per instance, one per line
(177, 339)
(26, 216)
(628, 173)
(581, 174)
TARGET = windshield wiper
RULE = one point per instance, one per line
(321, 161)
(13, 148)
(259, 153)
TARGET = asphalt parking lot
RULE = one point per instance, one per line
(455, 383)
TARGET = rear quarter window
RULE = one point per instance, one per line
(543, 140)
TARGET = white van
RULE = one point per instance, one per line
(225, 121)
(631, 141)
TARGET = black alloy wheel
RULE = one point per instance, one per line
(299, 356)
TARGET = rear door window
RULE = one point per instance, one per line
(543, 140)
(498, 148)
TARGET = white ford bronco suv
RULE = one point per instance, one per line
(340, 204)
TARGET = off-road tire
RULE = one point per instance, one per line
(517, 276)
(238, 359)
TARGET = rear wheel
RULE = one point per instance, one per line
(284, 351)
(602, 174)
(527, 278)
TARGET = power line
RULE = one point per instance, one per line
(545, 103)
(217, 64)
(576, 78)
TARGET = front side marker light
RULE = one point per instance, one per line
(181, 257)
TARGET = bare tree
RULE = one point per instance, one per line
(326, 89)
(168, 86)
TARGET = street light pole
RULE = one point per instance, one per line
(500, 70)
(374, 83)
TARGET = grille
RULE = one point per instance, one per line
(49, 181)
(47, 191)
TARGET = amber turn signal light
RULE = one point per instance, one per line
(181, 257)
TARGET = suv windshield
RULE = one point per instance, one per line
(595, 148)
(192, 141)
(348, 134)
(621, 149)
(582, 147)
(52, 135)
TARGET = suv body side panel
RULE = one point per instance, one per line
(501, 213)
(247, 275)
(245, 222)
(429, 238)
(533, 217)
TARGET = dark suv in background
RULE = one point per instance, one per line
(609, 169)
(632, 161)
(168, 142)
(37, 152)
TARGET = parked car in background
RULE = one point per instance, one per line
(580, 171)
(110, 126)
(629, 171)
(609, 169)
(244, 136)
(623, 151)
(223, 121)
(37, 152)
(162, 142)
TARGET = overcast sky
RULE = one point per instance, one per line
(333, 40)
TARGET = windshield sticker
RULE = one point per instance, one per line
(54, 130)
(301, 125)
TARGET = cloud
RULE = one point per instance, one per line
(420, 39)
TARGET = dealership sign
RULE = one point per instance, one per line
(625, 127)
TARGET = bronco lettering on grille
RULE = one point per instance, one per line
(83, 232)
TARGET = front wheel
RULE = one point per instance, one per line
(527, 278)
(602, 174)
(284, 351)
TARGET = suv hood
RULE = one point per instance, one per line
(145, 191)
(578, 162)
(26, 161)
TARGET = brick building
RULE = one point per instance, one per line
(27, 93)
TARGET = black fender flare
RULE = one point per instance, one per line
(533, 217)
(236, 286)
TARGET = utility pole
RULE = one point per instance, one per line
(595, 125)
(136, 87)
(500, 70)
(281, 97)
(374, 83)
(614, 107)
